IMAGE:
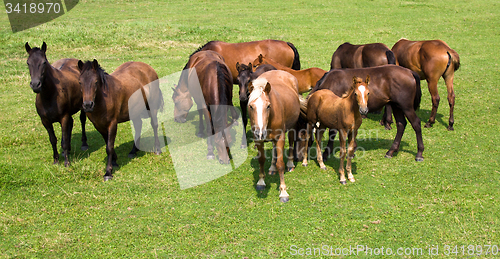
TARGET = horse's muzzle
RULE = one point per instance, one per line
(36, 86)
(363, 110)
(259, 134)
(180, 119)
(88, 106)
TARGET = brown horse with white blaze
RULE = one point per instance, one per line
(106, 102)
(327, 110)
(58, 97)
(282, 52)
(431, 60)
(274, 109)
(307, 78)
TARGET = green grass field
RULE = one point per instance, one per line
(450, 199)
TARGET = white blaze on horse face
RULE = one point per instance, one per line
(259, 105)
(362, 89)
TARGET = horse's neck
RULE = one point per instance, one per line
(50, 84)
(349, 102)
(275, 64)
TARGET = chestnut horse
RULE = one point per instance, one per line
(106, 102)
(245, 76)
(327, 110)
(348, 55)
(58, 96)
(273, 110)
(431, 60)
(389, 84)
(282, 52)
(213, 99)
(307, 78)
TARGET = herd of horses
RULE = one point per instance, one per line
(362, 78)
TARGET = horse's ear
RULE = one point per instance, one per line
(267, 89)
(260, 57)
(367, 79)
(27, 46)
(95, 65)
(238, 66)
(44, 47)
(251, 67)
(354, 79)
(80, 65)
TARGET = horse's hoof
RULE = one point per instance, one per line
(84, 148)
(352, 180)
(272, 172)
(222, 162)
(428, 125)
(388, 127)
(343, 182)
(450, 128)
(130, 155)
(66, 164)
(158, 153)
(284, 199)
(260, 187)
(290, 169)
(243, 146)
(210, 157)
(323, 168)
(419, 159)
(304, 165)
(388, 156)
(235, 123)
(108, 178)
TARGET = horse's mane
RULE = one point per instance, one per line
(100, 72)
(225, 82)
(258, 89)
(200, 48)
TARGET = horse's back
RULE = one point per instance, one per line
(282, 78)
(139, 72)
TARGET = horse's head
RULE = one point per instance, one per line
(37, 64)
(259, 107)
(92, 78)
(244, 74)
(361, 91)
(183, 104)
(259, 61)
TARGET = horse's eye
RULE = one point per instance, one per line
(268, 106)
(251, 107)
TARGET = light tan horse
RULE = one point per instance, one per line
(307, 78)
(274, 109)
(327, 110)
(431, 60)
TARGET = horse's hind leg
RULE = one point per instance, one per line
(261, 184)
(66, 128)
(291, 140)
(319, 137)
(400, 126)
(329, 147)
(415, 123)
(387, 117)
(351, 140)
(110, 136)
(137, 137)
(83, 119)
(154, 124)
(433, 89)
(342, 140)
(448, 79)
(53, 139)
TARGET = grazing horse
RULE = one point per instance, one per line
(327, 110)
(213, 99)
(106, 102)
(391, 84)
(282, 52)
(274, 109)
(348, 55)
(431, 60)
(58, 96)
(245, 76)
(307, 78)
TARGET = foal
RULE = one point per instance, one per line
(327, 110)
(58, 97)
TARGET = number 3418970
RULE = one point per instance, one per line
(33, 8)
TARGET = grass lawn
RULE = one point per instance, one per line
(445, 204)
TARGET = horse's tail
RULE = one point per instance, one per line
(296, 59)
(453, 57)
(391, 59)
(225, 86)
(303, 106)
(418, 92)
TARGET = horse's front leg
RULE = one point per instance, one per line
(110, 151)
(351, 140)
(83, 119)
(154, 124)
(261, 184)
(201, 128)
(243, 106)
(280, 165)
(342, 139)
(272, 168)
(53, 139)
(305, 150)
(291, 140)
(66, 128)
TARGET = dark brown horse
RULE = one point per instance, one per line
(327, 110)
(282, 52)
(274, 109)
(58, 96)
(106, 102)
(348, 55)
(389, 84)
(245, 76)
(431, 60)
(213, 96)
(307, 78)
